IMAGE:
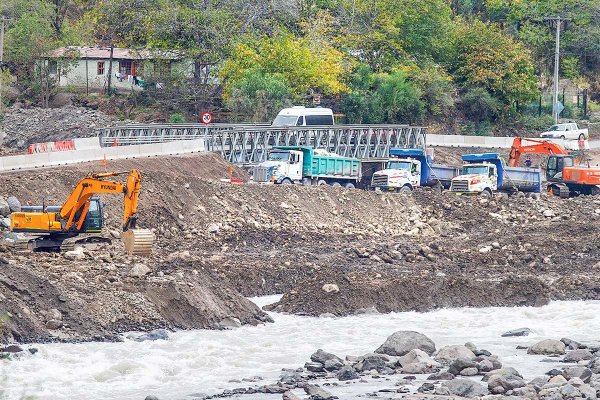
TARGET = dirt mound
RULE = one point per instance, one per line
(23, 126)
(218, 242)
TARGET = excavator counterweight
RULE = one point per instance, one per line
(82, 213)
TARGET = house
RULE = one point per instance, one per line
(88, 67)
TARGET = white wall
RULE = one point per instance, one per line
(76, 76)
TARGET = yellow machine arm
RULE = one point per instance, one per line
(75, 209)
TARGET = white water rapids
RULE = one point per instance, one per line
(193, 362)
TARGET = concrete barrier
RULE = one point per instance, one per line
(490, 142)
(90, 150)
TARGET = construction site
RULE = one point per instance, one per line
(220, 239)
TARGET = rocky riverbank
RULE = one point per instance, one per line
(409, 366)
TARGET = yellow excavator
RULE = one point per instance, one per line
(82, 213)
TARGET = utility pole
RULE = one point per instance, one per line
(556, 22)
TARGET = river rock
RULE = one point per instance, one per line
(371, 362)
(506, 371)
(290, 396)
(321, 356)
(587, 391)
(333, 365)
(314, 367)
(347, 373)
(151, 397)
(547, 347)
(402, 342)
(139, 270)
(578, 355)
(440, 376)
(54, 324)
(557, 380)
(230, 323)
(459, 364)
(331, 288)
(13, 348)
(569, 391)
(76, 254)
(53, 313)
(594, 365)
(156, 334)
(13, 204)
(472, 371)
(517, 332)
(485, 366)
(417, 356)
(4, 208)
(538, 382)
(582, 373)
(572, 344)
(507, 382)
(419, 368)
(465, 388)
(448, 354)
(317, 393)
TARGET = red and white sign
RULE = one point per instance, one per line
(206, 117)
(50, 147)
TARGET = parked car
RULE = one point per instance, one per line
(566, 131)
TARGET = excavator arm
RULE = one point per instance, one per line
(75, 209)
(539, 147)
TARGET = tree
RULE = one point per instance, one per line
(259, 96)
(482, 56)
(306, 69)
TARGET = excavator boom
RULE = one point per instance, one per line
(538, 147)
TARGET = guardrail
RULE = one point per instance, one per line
(246, 144)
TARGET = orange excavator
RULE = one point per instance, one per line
(565, 176)
(82, 213)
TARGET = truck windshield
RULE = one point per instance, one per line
(405, 165)
(285, 120)
(279, 156)
(475, 170)
(557, 128)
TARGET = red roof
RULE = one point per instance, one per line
(95, 52)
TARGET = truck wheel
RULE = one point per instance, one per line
(563, 137)
(349, 185)
(286, 181)
(405, 189)
(336, 184)
(486, 193)
(581, 136)
(321, 182)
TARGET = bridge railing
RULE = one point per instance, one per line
(250, 143)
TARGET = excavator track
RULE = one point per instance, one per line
(138, 242)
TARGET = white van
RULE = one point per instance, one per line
(302, 116)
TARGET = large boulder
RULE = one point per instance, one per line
(506, 371)
(509, 382)
(402, 342)
(316, 393)
(461, 363)
(547, 347)
(448, 354)
(583, 373)
(347, 373)
(4, 208)
(578, 355)
(14, 204)
(370, 362)
(465, 388)
(594, 365)
(417, 356)
(321, 356)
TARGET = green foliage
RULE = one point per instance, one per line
(304, 67)
(570, 67)
(382, 98)
(258, 96)
(176, 118)
(435, 85)
(484, 57)
(479, 106)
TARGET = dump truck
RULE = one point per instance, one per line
(408, 169)
(486, 173)
(308, 166)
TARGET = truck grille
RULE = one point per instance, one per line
(379, 180)
(459, 186)
(261, 174)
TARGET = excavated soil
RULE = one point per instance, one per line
(218, 243)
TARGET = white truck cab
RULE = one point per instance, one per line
(303, 116)
(480, 178)
(402, 174)
(285, 166)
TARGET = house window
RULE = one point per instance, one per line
(52, 67)
(100, 68)
(125, 67)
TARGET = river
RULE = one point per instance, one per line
(202, 361)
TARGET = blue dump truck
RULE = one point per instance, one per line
(408, 169)
(487, 173)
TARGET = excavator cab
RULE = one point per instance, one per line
(556, 165)
(94, 220)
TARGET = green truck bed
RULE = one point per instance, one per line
(321, 166)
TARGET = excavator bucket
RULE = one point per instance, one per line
(138, 242)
